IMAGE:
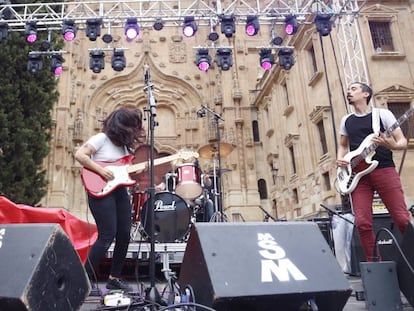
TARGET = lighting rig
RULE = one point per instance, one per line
(35, 61)
(223, 57)
(97, 59)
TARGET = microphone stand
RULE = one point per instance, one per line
(267, 215)
(217, 179)
(152, 292)
(337, 214)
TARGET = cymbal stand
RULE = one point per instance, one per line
(218, 199)
(152, 292)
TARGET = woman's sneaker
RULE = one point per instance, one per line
(118, 284)
(95, 291)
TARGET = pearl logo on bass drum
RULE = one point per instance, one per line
(160, 206)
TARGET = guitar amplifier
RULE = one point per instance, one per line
(387, 246)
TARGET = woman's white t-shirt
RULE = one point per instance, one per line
(105, 148)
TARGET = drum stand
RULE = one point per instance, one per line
(152, 292)
(171, 278)
(218, 215)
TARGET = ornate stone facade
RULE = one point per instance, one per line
(282, 124)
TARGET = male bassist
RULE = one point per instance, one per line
(381, 175)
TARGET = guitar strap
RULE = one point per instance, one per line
(375, 120)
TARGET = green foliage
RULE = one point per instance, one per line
(26, 102)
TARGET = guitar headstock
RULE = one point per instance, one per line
(187, 154)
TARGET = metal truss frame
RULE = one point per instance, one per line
(49, 16)
(114, 13)
(353, 59)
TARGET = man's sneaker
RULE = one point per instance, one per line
(118, 284)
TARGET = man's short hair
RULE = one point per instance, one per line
(365, 88)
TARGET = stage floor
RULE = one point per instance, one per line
(95, 303)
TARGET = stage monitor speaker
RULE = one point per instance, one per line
(262, 266)
(380, 283)
(405, 265)
(39, 269)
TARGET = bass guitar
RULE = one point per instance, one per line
(98, 187)
(360, 159)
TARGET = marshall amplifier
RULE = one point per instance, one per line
(387, 245)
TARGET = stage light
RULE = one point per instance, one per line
(224, 58)
(69, 30)
(286, 59)
(158, 24)
(34, 63)
(323, 24)
(267, 60)
(96, 60)
(203, 60)
(44, 46)
(131, 28)
(93, 28)
(31, 31)
(118, 60)
(252, 25)
(213, 36)
(56, 65)
(228, 26)
(189, 26)
(4, 30)
(291, 24)
(107, 38)
(277, 41)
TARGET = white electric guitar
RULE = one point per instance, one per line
(360, 160)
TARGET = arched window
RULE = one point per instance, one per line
(256, 135)
(261, 184)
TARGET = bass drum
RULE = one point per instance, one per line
(172, 218)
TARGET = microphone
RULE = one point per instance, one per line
(146, 74)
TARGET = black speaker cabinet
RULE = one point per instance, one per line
(387, 246)
(405, 265)
(39, 269)
(262, 266)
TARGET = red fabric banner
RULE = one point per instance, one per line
(81, 234)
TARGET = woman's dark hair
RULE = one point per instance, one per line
(124, 127)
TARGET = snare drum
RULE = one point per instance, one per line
(171, 218)
(188, 183)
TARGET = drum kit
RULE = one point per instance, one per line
(183, 200)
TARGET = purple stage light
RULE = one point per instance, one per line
(58, 71)
(31, 38)
(131, 28)
(203, 66)
(267, 65)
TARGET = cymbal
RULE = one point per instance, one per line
(210, 150)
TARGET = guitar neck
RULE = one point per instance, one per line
(140, 166)
(400, 121)
(181, 155)
(367, 150)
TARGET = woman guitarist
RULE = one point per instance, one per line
(121, 133)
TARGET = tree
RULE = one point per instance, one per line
(26, 101)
